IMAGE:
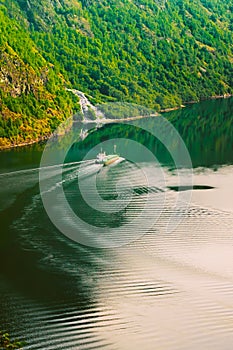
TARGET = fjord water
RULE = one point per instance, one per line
(159, 291)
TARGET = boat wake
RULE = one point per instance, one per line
(75, 296)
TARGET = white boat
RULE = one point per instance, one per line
(103, 158)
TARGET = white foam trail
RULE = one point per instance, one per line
(47, 167)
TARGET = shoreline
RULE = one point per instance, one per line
(23, 144)
(165, 110)
(108, 121)
(215, 97)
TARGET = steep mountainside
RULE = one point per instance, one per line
(158, 53)
(33, 99)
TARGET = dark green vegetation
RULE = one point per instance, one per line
(7, 343)
(124, 110)
(158, 54)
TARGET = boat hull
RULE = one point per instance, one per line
(114, 161)
(110, 159)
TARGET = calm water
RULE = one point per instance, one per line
(159, 291)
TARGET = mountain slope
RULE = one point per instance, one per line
(33, 99)
(155, 53)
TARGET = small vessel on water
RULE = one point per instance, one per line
(103, 158)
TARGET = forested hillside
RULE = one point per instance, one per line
(156, 53)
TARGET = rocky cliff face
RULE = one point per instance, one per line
(16, 77)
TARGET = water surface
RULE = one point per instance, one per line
(160, 291)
